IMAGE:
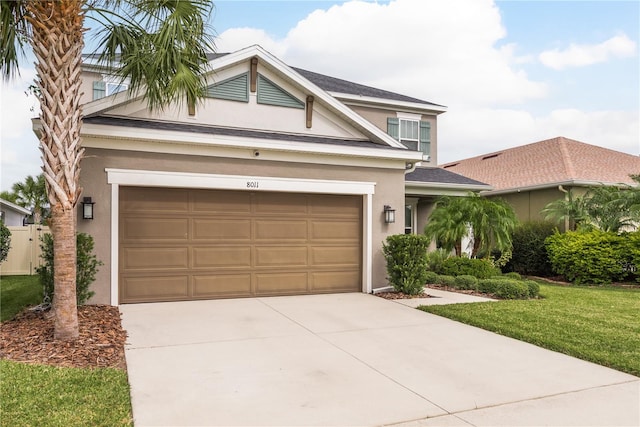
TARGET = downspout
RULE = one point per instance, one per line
(410, 167)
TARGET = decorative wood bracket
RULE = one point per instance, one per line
(309, 108)
(254, 74)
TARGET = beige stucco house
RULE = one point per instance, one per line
(532, 175)
(278, 183)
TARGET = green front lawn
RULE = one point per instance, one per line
(601, 325)
(17, 292)
(36, 395)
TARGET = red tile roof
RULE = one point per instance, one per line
(553, 161)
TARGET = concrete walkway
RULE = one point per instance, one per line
(353, 360)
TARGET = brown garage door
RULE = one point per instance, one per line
(179, 244)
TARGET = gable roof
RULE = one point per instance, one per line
(549, 163)
(220, 61)
(14, 207)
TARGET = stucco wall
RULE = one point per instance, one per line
(389, 190)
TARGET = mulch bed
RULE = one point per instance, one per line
(29, 338)
(400, 295)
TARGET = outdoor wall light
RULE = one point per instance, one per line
(389, 214)
(87, 208)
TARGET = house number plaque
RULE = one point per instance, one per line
(253, 184)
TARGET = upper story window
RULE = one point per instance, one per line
(414, 133)
(108, 86)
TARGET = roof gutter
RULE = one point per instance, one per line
(558, 184)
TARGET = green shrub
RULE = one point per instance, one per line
(466, 282)
(446, 280)
(512, 275)
(436, 258)
(458, 266)
(505, 288)
(512, 289)
(534, 288)
(489, 286)
(86, 267)
(431, 277)
(594, 256)
(5, 241)
(406, 262)
(529, 255)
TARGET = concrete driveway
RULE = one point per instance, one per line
(352, 360)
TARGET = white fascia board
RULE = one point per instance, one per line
(569, 183)
(195, 139)
(236, 182)
(15, 207)
(441, 188)
(369, 100)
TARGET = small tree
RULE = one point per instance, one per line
(86, 268)
(5, 241)
(406, 256)
(489, 221)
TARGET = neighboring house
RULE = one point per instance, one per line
(276, 184)
(531, 176)
(12, 214)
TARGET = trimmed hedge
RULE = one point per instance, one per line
(504, 288)
(406, 262)
(459, 266)
(595, 256)
(431, 277)
(466, 282)
(447, 280)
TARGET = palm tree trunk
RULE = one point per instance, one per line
(57, 43)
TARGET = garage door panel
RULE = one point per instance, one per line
(145, 258)
(281, 230)
(335, 255)
(225, 202)
(226, 244)
(154, 288)
(222, 229)
(346, 230)
(333, 281)
(222, 257)
(155, 200)
(281, 256)
(217, 286)
(151, 229)
(281, 204)
(280, 283)
(343, 206)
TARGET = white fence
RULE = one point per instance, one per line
(24, 255)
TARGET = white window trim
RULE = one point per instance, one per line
(130, 177)
(111, 81)
(413, 202)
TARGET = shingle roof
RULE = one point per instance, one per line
(556, 160)
(439, 175)
(223, 131)
(333, 84)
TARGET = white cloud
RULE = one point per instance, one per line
(580, 55)
(19, 151)
(443, 52)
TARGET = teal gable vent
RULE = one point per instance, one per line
(271, 94)
(233, 89)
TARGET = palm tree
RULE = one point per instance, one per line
(32, 194)
(571, 210)
(489, 221)
(159, 46)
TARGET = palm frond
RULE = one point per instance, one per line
(14, 30)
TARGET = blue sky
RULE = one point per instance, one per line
(510, 72)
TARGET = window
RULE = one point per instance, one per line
(107, 87)
(408, 219)
(415, 134)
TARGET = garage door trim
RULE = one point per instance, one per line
(130, 177)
